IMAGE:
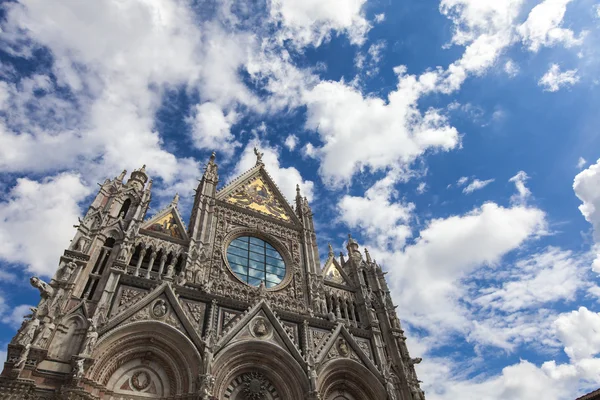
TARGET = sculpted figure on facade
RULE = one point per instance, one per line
(26, 336)
(90, 340)
(66, 271)
(42, 338)
(46, 293)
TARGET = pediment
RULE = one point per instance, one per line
(162, 305)
(260, 323)
(341, 344)
(167, 223)
(333, 272)
(255, 190)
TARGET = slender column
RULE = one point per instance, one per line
(161, 266)
(139, 263)
(150, 264)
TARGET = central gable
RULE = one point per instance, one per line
(256, 191)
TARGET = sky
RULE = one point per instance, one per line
(457, 140)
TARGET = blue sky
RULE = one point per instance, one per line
(456, 139)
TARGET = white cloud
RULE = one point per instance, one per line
(542, 27)
(353, 126)
(385, 222)
(285, 177)
(538, 279)
(379, 17)
(291, 142)
(211, 128)
(553, 80)
(523, 193)
(476, 184)
(462, 180)
(313, 21)
(587, 188)
(579, 331)
(36, 221)
(422, 188)
(511, 68)
(581, 163)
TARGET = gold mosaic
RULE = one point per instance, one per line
(258, 196)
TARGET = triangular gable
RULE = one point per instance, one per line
(79, 306)
(255, 190)
(177, 318)
(333, 272)
(261, 314)
(167, 223)
(353, 350)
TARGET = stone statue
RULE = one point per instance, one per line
(91, 338)
(46, 292)
(260, 328)
(170, 271)
(125, 248)
(64, 273)
(28, 333)
(389, 385)
(24, 325)
(259, 156)
(23, 356)
(78, 369)
(181, 279)
(207, 384)
(43, 337)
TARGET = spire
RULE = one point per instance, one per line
(122, 175)
(138, 178)
(352, 245)
(175, 200)
(211, 171)
(258, 156)
(330, 251)
(367, 255)
(342, 261)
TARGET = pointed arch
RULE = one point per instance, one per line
(349, 379)
(274, 363)
(159, 352)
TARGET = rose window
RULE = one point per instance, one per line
(253, 260)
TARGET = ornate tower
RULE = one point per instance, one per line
(236, 306)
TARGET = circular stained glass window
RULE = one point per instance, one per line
(253, 260)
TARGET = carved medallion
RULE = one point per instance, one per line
(342, 347)
(159, 309)
(260, 328)
(140, 380)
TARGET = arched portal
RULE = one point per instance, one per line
(145, 360)
(344, 379)
(256, 369)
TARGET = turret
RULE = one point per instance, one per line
(204, 200)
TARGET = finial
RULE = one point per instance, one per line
(213, 156)
(143, 169)
(297, 190)
(122, 175)
(342, 261)
(330, 250)
(367, 255)
(149, 186)
(258, 156)
(175, 200)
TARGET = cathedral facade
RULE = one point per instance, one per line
(236, 306)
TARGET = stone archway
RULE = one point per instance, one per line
(257, 370)
(344, 379)
(145, 360)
